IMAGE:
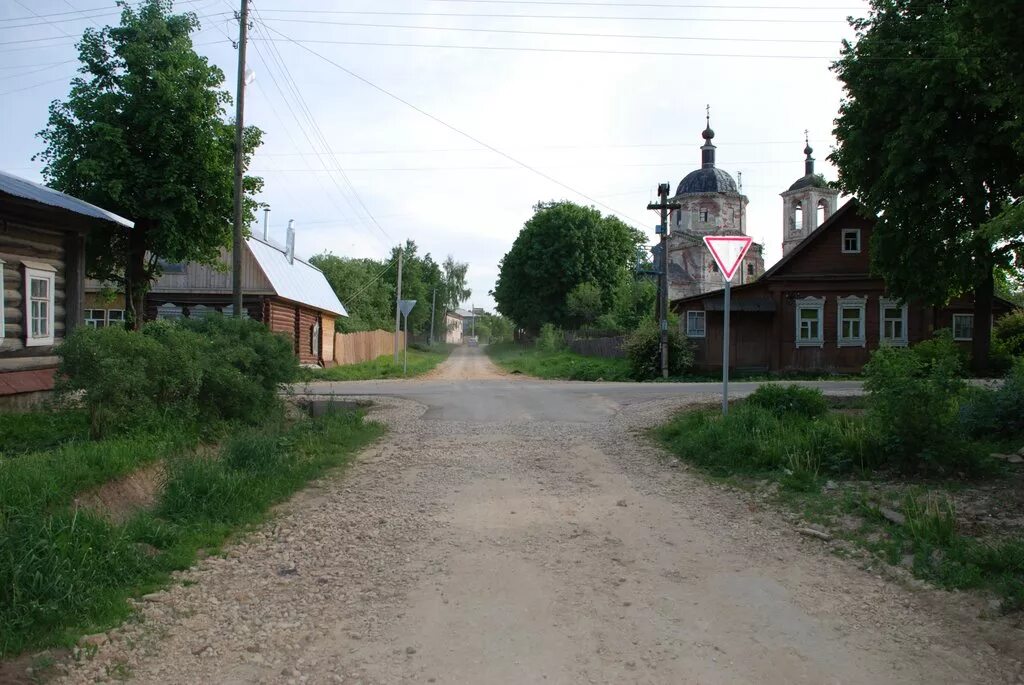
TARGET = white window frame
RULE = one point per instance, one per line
(691, 332)
(889, 303)
(119, 319)
(851, 302)
(854, 232)
(3, 324)
(102, 322)
(967, 316)
(817, 303)
(39, 272)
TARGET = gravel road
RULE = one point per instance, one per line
(549, 543)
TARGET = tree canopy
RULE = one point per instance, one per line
(562, 246)
(367, 289)
(143, 134)
(932, 139)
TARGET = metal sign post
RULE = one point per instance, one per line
(405, 306)
(728, 251)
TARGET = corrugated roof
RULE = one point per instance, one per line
(20, 187)
(299, 281)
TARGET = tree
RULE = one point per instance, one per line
(561, 246)
(143, 134)
(365, 286)
(584, 303)
(931, 139)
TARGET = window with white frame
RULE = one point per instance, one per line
(39, 297)
(695, 324)
(851, 321)
(963, 326)
(892, 318)
(810, 313)
(115, 317)
(851, 240)
(95, 318)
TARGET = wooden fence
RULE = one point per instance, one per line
(598, 347)
(352, 348)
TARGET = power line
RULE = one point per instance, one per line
(103, 11)
(505, 167)
(658, 5)
(558, 33)
(572, 17)
(649, 53)
(457, 130)
(592, 146)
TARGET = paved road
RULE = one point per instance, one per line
(513, 531)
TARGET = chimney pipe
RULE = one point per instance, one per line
(266, 224)
(290, 242)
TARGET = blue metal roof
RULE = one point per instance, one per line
(298, 281)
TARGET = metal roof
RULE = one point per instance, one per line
(25, 189)
(299, 281)
(707, 180)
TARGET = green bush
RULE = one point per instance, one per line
(913, 403)
(169, 373)
(789, 399)
(1008, 333)
(551, 338)
(998, 412)
(643, 350)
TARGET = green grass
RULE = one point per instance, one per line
(64, 573)
(754, 444)
(39, 430)
(420, 362)
(562, 365)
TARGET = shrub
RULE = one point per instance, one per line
(1008, 333)
(913, 402)
(216, 368)
(643, 349)
(551, 338)
(789, 399)
(998, 412)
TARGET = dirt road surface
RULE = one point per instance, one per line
(513, 531)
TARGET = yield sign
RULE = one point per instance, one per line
(728, 251)
(405, 306)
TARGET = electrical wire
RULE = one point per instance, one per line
(657, 5)
(572, 17)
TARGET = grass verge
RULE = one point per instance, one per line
(825, 469)
(562, 365)
(384, 366)
(64, 573)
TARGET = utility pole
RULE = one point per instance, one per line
(433, 299)
(236, 250)
(662, 310)
(398, 299)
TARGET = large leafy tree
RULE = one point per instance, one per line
(931, 137)
(143, 133)
(560, 247)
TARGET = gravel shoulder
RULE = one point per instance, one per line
(516, 550)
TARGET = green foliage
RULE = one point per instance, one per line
(562, 365)
(1008, 333)
(143, 134)
(498, 328)
(560, 247)
(999, 412)
(583, 303)
(934, 88)
(64, 572)
(169, 373)
(643, 349)
(930, 518)
(913, 404)
(551, 338)
(632, 303)
(384, 366)
(40, 430)
(789, 399)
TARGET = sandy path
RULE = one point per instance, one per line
(464, 364)
(542, 552)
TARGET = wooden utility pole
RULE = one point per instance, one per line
(433, 300)
(236, 249)
(398, 300)
(665, 207)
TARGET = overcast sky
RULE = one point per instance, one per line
(606, 117)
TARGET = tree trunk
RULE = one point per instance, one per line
(136, 278)
(981, 342)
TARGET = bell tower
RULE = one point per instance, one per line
(807, 203)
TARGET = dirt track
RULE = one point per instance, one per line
(542, 551)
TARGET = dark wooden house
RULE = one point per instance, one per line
(42, 272)
(818, 309)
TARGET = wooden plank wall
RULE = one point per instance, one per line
(17, 242)
(352, 348)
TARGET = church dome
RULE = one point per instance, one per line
(809, 181)
(707, 180)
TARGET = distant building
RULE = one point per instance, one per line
(453, 327)
(807, 204)
(712, 204)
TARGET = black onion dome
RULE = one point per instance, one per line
(810, 181)
(707, 180)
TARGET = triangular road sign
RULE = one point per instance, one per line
(405, 306)
(728, 251)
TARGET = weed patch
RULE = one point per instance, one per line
(560, 364)
(384, 366)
